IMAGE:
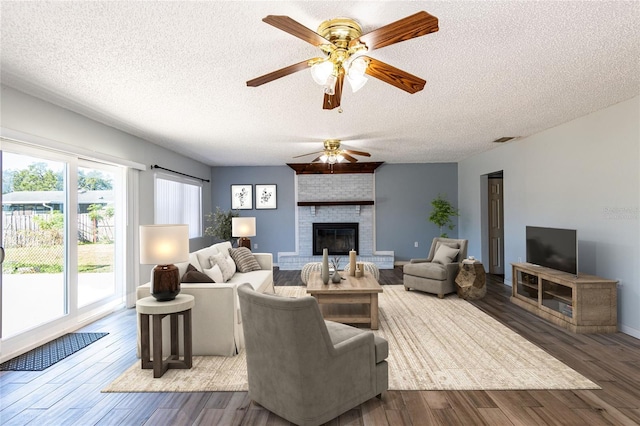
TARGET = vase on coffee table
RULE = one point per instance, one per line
(336, 277)
(324, 271)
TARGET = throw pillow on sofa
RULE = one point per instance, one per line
(225, 266)
(215, 274)
(244, 259)
(194, 276)
(203, 256)
(231, 264)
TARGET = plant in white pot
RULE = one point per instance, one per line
(442, 214)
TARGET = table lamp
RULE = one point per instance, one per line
(164, 245)
(243, 227)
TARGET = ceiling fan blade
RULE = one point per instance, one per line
(315, 159)
(283, 72)
(296, 29)
(310, 153)
(333, 101)
(413, 26)
(348, 157)
(394, 76)
(351, 151)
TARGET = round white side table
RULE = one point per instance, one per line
(150, 309)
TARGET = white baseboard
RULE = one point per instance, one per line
(628, 330)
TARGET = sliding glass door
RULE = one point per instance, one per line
(62, 234)
(34, 197)
(97, 232)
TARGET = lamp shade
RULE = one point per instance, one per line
(321, 71)
(356, 83)
(243, 227)
(164, 244)
(357, 67)
(355, 75)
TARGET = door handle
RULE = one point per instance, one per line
(1, 254)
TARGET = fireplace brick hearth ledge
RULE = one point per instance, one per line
(293, 261)
(336, 203)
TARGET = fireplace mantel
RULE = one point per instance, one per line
(336, 203)
(338, 168)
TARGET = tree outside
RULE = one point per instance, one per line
(34, 240)
(37, 177)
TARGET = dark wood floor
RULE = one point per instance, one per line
(68, 393)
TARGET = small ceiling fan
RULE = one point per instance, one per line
(344, 48)
(332, 153)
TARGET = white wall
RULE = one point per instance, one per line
(30, 115)
(584, 175)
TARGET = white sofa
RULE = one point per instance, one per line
(216, 320)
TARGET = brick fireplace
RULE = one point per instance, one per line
(335, 198)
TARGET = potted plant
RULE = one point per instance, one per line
(442, 213)
(220, 221)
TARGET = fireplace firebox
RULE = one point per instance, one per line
(339, 238)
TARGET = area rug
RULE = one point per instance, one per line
(434, 344)
(44, 356)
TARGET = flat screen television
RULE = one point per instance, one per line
(554, 248)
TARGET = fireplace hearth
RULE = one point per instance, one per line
(339, 238)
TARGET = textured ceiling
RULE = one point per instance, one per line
(174, 73)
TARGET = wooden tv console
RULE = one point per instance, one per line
(583, 304)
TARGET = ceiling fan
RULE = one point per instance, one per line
(332, 153)
(344, 48)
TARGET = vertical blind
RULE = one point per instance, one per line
(178, 200)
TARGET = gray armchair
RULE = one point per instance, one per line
(437, 273)
(303, 368)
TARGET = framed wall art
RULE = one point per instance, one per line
(266, 197)
(241, 197)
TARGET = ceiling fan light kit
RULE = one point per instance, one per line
(340, 59)
(344, 48)
(333, 153)
(332, 158)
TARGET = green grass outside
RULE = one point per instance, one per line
(40, 259)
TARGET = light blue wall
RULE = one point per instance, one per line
(275, 229)
(403, 204)
(583, 175)
(403, 196)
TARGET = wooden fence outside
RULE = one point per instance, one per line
(21, 230)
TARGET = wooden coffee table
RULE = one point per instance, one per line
(353, 301)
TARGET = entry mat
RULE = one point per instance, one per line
(44, 356)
